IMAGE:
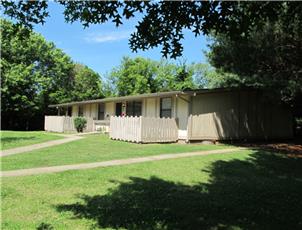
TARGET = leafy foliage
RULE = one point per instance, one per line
(134, 76)
(35, 74)
(163, 21)
(87, 84)
(270, 58)
(80, 123)
(140, 75)
(26, 12)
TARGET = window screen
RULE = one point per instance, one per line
(166, 107)
(134, 108)
(101, 111)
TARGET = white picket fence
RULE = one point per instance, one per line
(63, 124)
(143, 129)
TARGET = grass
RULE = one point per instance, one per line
(241, 190)
(13, 139)
(94, 148)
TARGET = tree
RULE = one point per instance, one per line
(34, 74)
(269, 59)
(184, 78)
(163, 22)
(134, 76)
(87, 84)
(140, 75)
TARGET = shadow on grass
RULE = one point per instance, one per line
(15, 139)
(264, 192)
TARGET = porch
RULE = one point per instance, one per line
(65, 124)
(127, 128)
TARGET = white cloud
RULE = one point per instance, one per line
(107, 36)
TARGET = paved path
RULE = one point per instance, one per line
(61, 168)
(29, 148)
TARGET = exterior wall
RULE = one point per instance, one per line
(150, 107)
(75, 111)
(237, 115)
(89, 110)
(109, 110)
(94, 111)
(86, 110)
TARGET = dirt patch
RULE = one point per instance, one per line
(291, 148)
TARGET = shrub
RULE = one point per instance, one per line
(80, 123)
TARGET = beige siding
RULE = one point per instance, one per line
(90, 110)
(150, 107)
(157, 107)
(94, 111)
(217, 115)
(75, 110)
(237, 115)
(109, 110)
(86, 110)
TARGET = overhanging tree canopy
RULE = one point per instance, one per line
(163, 22)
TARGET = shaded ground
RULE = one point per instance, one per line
(263, 192)
(291, 148)
(13, 139)
(38, 146)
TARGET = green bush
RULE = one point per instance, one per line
(80, 123)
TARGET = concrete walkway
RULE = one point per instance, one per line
(29, 148)
(62, 168)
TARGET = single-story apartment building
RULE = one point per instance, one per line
(204, 114)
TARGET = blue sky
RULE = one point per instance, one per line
(101, 47)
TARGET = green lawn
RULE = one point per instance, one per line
(243, 190)
(94, 148)
(13, 139)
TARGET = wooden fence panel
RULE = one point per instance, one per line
(159, 130)
(204, 126)
(65, 124)
(54, 124)
(125, 128)
(143, 129)
(69, 124)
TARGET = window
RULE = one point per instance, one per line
(134, 108)
(69, 111)
(80, 113)
(118, 109)
(101, 111)
(166, 107)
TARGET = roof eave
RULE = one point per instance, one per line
(114, 99)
